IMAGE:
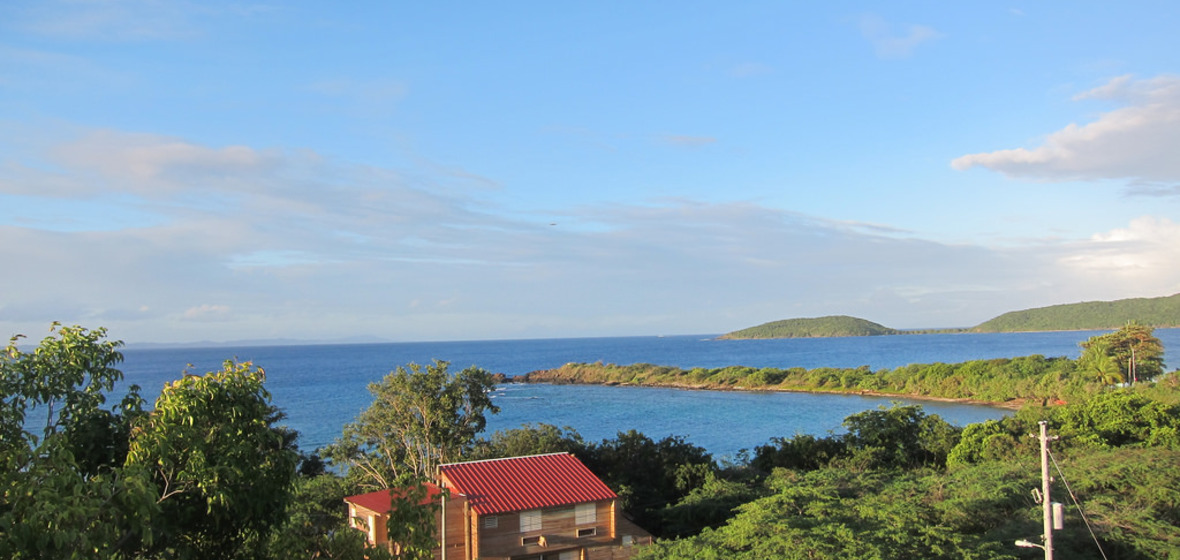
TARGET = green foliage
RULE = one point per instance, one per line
(992, 440)
(977, 511)
(708, 505)
(65, 378)
(1121, 418)
(899, 437)
(832, 513)
(800, 452)
(317, 511)
(1132, 495)
(1094, 315)
(222, 468)
(836, 325)
(888, 438)
(421, 417)
(204, 475)
(648, 475)
(1132, 353)
(528, 440)
(63, 491)
(1029, 378)
(412, 522)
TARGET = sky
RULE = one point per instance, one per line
(180, 171)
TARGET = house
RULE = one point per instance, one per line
(540, 507)
(369, 512)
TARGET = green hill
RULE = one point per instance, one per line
(1091, 315)
(836, 325)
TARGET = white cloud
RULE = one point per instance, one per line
(251, 243)
(155, 166)
(888, 42)
(1138, 141)
(207, 312)
(1142, 256)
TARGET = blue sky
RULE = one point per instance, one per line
(183, 171)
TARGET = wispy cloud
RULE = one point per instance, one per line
(271, 243)
(207, 312)
(890, 42)
(1138, 141)
(375, 98)
(126, 20)
(687, 140)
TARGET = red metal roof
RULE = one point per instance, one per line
(523, 483)
(380, 501)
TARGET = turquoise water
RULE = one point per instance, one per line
(322, 387)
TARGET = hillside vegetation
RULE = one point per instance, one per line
(1160, 312)
(1091, 315)
(831, 326)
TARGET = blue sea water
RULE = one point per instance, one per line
(322, 387)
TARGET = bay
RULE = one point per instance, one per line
(322, 387)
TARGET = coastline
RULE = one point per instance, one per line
(1012, 404)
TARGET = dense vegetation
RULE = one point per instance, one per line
(1003, 380)
(209, 473)
(1093, 315)
(836, 325)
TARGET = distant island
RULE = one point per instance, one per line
(1161, 312)
(832, 326)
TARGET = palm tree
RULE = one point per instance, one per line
(1131, 350)
(1098, 360)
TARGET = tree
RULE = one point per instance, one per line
(421, 417)
(1134, 350)
(529, 440)
(648, 475)
(412, 526)
(223, 470)
(1098, 361)
(316, 524)
(63, 490)
(899, 437)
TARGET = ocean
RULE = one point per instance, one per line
(323, 387)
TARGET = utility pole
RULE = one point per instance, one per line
(1046, 503)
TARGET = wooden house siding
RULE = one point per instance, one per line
(559, 531)
(571, 516)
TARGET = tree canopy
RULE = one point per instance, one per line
(223, 469)
(421, 417)
(1130, 354)
(203, 475)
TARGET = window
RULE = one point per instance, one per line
(491, 522)
(361, 522)
(587, 532)
(530, 520)
(526, 541)
(568, 555)
(584, 514)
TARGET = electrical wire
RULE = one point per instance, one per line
(1078, 504)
